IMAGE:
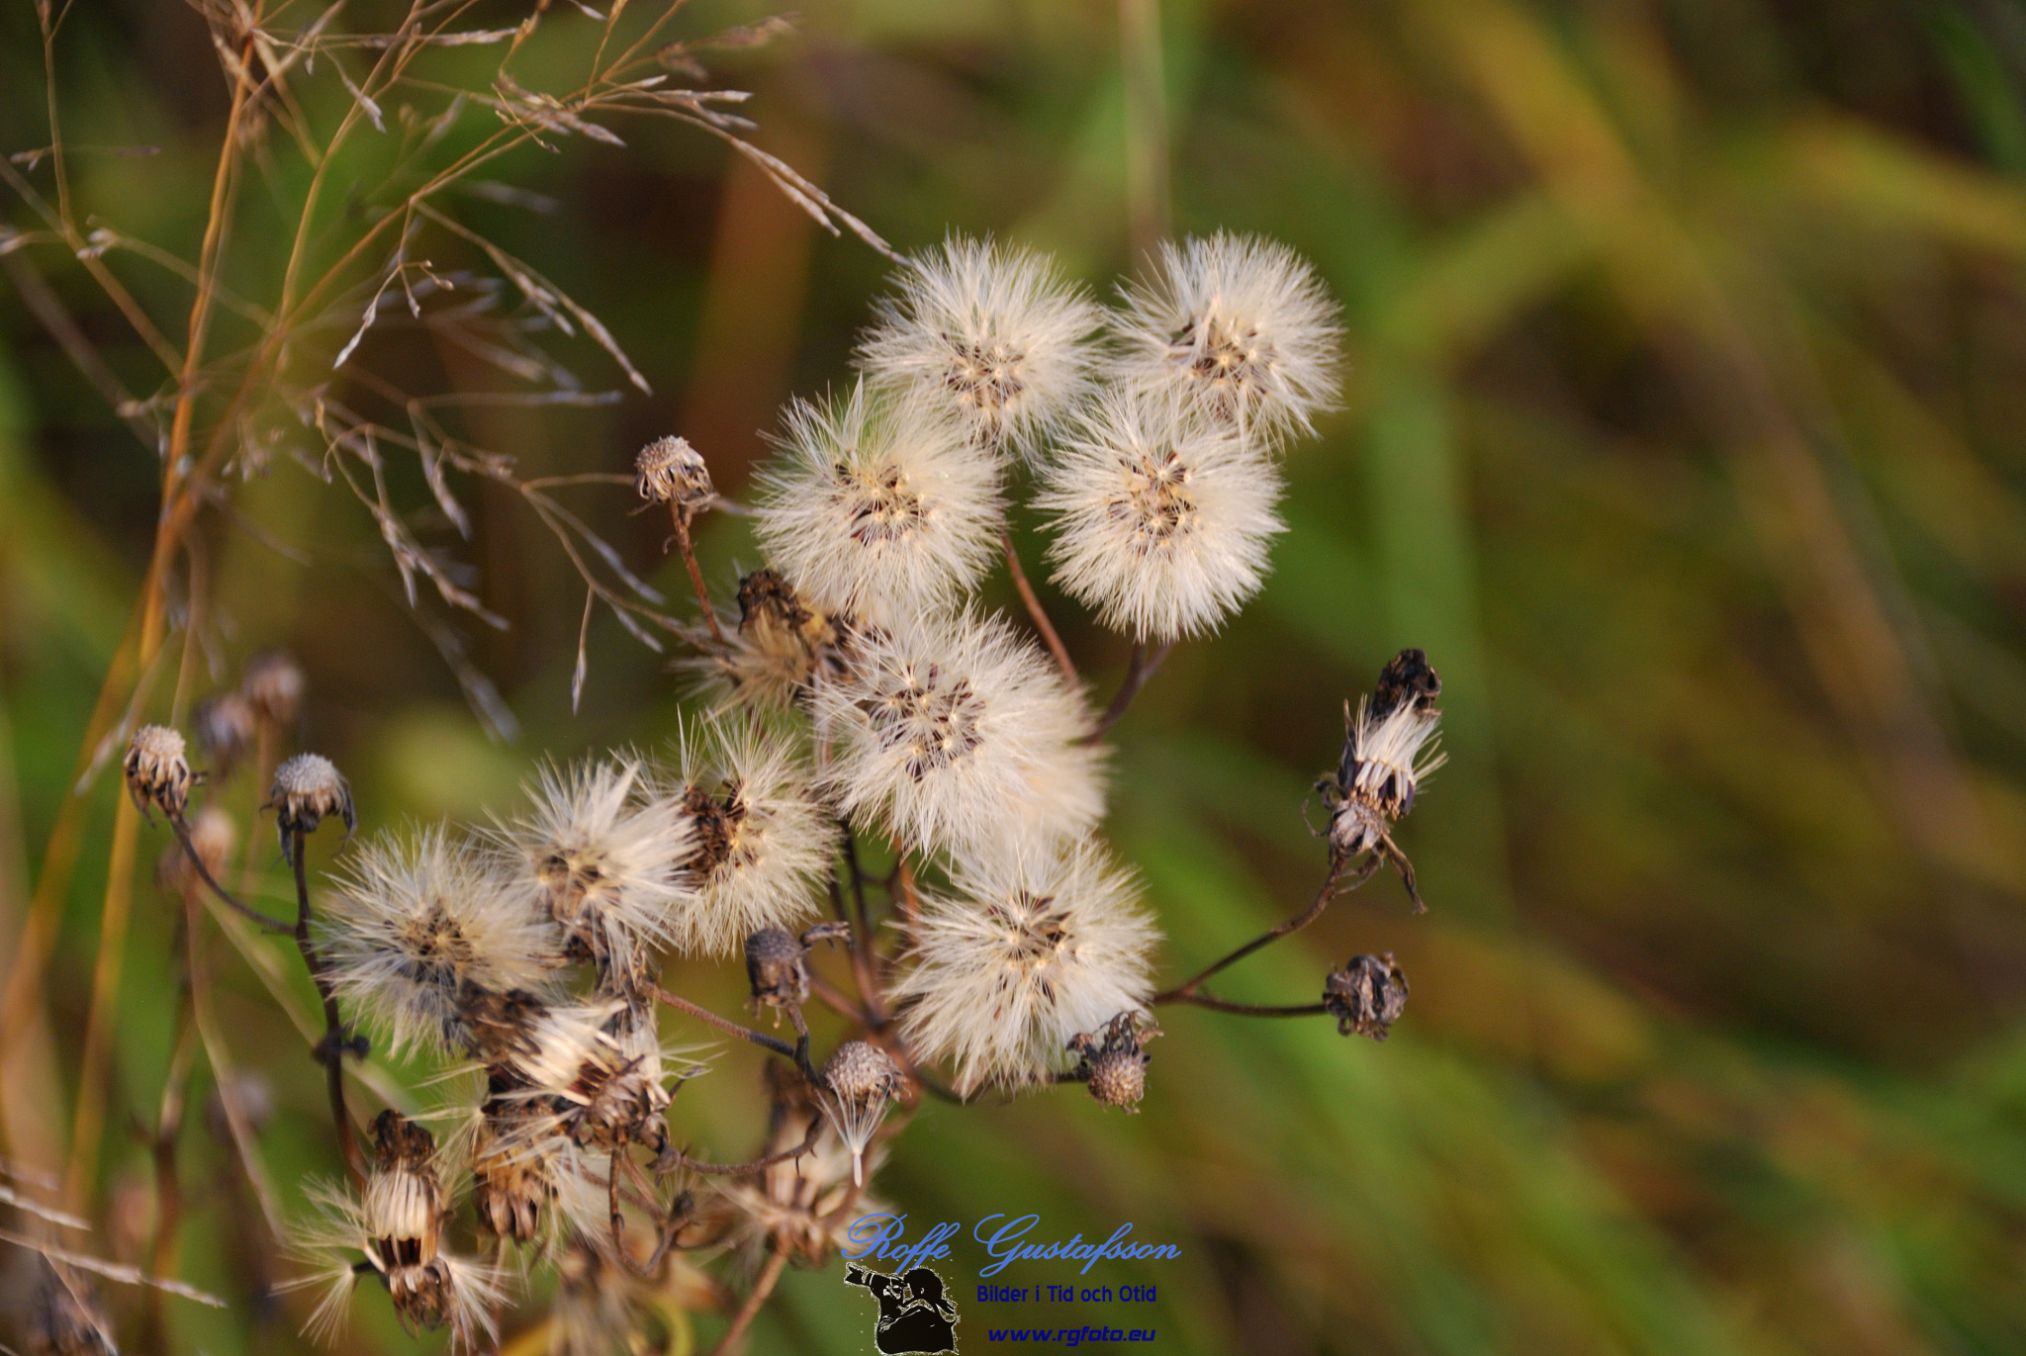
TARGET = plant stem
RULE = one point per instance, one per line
(735, 1335)
(268, 921)
(688, 549)
(331, 1049)
(1185, 992)
(1035, 611)
(799, 1052)
(1139, 668)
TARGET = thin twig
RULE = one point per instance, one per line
(1035, 611)
(675, 1158)
(762, 1288)
(1216, 1004)
(688, 550)
(1186, 990)
(1139, 668)
(268, 921)
(798, 1052)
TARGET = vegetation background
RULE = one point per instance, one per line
(1683, 429)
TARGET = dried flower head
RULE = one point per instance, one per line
(602, 856)
(1114, 1061)
(858, 1084)
(273, 685)
(1237, 328)
(960, 738)
(421, 928)
(602, 1308)
(1162, 519)
(1031, 951)
(797, 1206)
(877, 509)
(308, 789)
(779, 646)
(227, 728)
(1385, 758)
(1367, 996)
(213, 834)
(990, 334)
(396, 1224)
(776, 963)
(599, 1067)
(670, 471)
(157, 772)
(760, 840)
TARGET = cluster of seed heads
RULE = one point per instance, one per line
(863, 694)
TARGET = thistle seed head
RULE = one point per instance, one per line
(670, 471)
(157, 772)
(273, 685)
(859, 1082)
(1367, 996)
(309, 789)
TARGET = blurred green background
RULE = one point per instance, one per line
(1685, 428)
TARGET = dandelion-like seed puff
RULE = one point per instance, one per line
(877, 508)
(1236, 328)
(1162, 518)
(761, 841)
(603, 859)
(989, 334)
(1029, 952)
(420, 927)
(959, 737)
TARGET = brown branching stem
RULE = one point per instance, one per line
(268, 921)
(331, 1049)
(1139, 668)
(798, 1052)
(1039, 615)
(675, 1159)
(1186, 991)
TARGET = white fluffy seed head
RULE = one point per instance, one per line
(876, 508)
(1162, 519)
(602, 856)
(1029, 952)
(1237, 328)
(422, 925)
(761, 840)
(988, 333)
(959, 738)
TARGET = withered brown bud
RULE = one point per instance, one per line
(227, 728)
(1407, 680)
(157, 771)
(775, 969)
(672, 472)
(1115, 1060)
(511, 1183)
(273, 686)
(308, 789)
(1367, 996)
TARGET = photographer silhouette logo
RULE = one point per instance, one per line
(914, 1313)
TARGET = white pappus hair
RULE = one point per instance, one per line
(419, 926)
(959, 738)
(990, 334)
(602, 858)
(1030, 950)
(761, 840)
(1236, 327)
(1162, 518)
(881, 509)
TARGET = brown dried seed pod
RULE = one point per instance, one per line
(670, 471)
(860, 1073)
(1367, 996)
(227, 727)
(1114, 1062)
(775, 968)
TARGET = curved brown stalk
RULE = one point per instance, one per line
(1038, 614)
(1139, 668)
(268, 921)
(331, 1049)
(1185, 992)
